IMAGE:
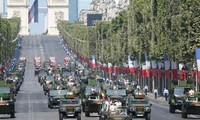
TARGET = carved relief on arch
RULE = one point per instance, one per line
(16, 13)
(59, 15)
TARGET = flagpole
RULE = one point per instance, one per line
(196, 79)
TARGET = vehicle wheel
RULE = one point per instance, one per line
(148, 116)
(83, 109)
(50, 106)
(79, 116)
(171, 109)
(184, 115)
(60, 116)
(87, 114)
(12, 115)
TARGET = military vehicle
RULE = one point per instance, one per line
(119, 114)
(70, 107)
(48, 84)
(91, 102)
(117, 95)
(177, 93)
(55, 96)
(139, 105)
(14, 81)
(7, 105)
(42, 76)
(191, 105)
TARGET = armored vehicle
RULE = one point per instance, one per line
(92, 101)
(191, 105)
(177, 93)
(55, 96)
(117, 95)
(7, 105)
(139, 105)
(70, 107)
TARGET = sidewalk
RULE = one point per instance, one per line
(160, 99)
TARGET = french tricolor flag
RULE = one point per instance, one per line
(197, 50)
(93, 62)
(130, 65)
(33, 12)
(147, 66)
(167, 66)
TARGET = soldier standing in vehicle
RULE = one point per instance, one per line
(166, 93)
(191, 92)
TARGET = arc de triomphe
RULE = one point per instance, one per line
(57, 10)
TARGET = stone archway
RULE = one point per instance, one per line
(57, 10)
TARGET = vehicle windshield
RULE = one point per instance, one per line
(139, 102)
(181, 91)
(50, 78)
(70, 102)
(58, 92)
(42, 73)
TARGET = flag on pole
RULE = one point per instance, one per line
(144, 70)
(174, 70)
(197, 50)
(154, 67)
(93, 62)
(33, 12)
(182, 72)
(148, 66)
(167, 66)
(125, 68)
(160, 66)
(109, 67)
(130, 65)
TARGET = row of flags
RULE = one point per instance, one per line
(33, 12)
(168, 69)
(163, 69)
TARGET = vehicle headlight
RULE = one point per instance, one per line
(132, 108)
(50, 98)
(147, 108)
(62, 109)
(78, 109)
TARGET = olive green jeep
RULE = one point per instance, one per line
(7, 105)
(91, 102)
(177, 93)
(139, 106)
(191, 105)
(70, 107)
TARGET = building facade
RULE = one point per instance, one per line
(108, 8)
(3, 8)
(73, 10)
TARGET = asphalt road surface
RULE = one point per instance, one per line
(31, 102)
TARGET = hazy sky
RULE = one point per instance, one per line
(38, 28)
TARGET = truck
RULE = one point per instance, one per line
(139, 105)
(91, 102)
(177, 93)
(70, 107)
(191, 105)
